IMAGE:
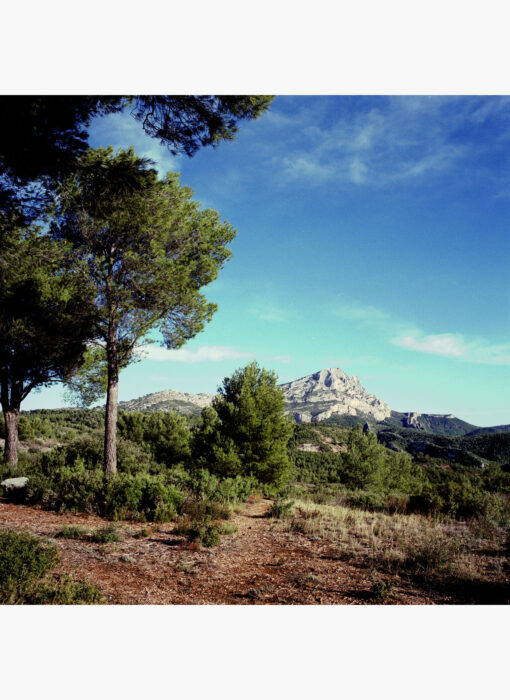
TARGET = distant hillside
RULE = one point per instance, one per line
(495, 429)
(430, 423)
(417, 422)
(333, 397)
(169, 400)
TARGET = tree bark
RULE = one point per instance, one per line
(11, 436)
(112, 397)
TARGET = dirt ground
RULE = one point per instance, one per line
(262, 563)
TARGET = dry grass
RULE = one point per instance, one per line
(400, 543)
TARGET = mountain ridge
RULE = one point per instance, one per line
(328, 395)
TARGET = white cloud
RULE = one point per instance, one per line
(358, 171)
(284, 359)
(266, 311)
(406, 335)
(205, 353)
(393, 139)
(307, 167)
(456, 346)
(442, 344)
(365, 313)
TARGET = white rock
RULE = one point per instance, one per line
(17, 482)
(331, 392)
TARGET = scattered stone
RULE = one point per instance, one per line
(127, 559)
(17, 482)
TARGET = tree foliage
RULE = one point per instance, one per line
(45, 320)
(245, 431)
(147, 248)
(43, 137)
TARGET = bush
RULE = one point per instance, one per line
(106, 534)
(89, 450)
(206, 510)
(459, 499)
(202, 534)
(281, 510)
(166, 436)
(434, 556)
(24, 559)
(65, 591)
(207, 486)
(125, 496)
(381, 590)
(142, 497)
(72, 532)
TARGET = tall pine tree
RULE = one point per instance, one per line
(148, 249)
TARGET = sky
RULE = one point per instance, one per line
(372, 235)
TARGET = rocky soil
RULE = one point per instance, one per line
(262, 563)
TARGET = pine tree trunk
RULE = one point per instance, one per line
(112, 397)
(11, 436)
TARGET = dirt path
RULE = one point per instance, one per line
(261, 563)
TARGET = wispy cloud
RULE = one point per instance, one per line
(354, 311)
(393, 139)
(457, 346)
(405, 334)
(204, 353)
(267, 311)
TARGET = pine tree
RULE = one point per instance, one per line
(147, 248)
(45, 321)
(246, 431)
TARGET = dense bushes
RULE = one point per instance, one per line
(461, 499)
(24, 562)
(371, 477)
(365, 464)
(166, 436)
(126, 496)
(208, 486)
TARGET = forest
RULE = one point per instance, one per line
(97, 252)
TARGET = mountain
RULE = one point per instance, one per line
(331, 396)
(169, 400)
(330, 393)
(439, 424)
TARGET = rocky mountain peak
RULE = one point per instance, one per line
(331, 392)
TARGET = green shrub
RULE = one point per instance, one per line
(202, 534)
(459, 499)
(166, 436)
(435, 555)
(281, 510)
(89, 450)
(206, 510)
(65, 591)
(365, 500)
(72, 532)
(139, 496)
(209, 536)
(141, 534)
(24, 559)
(207, 486)
(106, 534)
(381, 589)
(226, 528)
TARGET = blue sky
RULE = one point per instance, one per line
(373, 235)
